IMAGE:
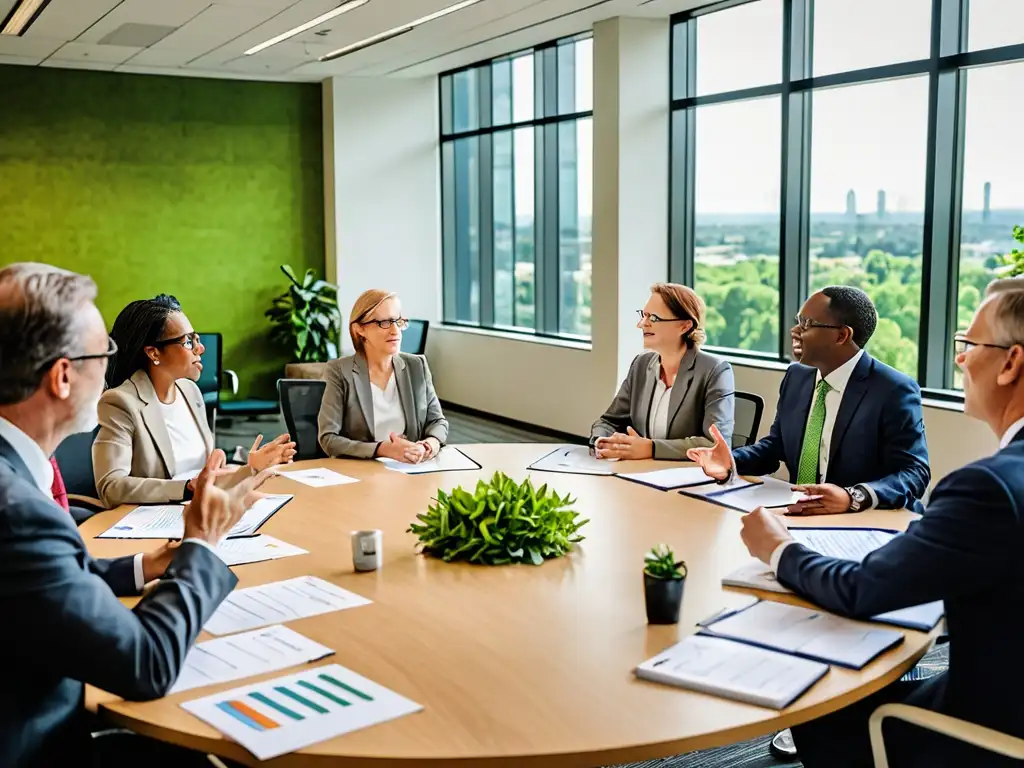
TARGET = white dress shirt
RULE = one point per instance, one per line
(838, 380)
(187, 444)
(39, 467)
(657, 419)
(388, 415)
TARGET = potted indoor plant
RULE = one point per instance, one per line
(307, 320)
(664, 578)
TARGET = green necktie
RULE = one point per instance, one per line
(807, 472)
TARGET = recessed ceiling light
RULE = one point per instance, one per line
(396, 31)
(21, 16)
(351, 5)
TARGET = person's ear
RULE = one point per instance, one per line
(845, 334)
(1013, 367)
(58, 379)
(687, 330)
(152, 354)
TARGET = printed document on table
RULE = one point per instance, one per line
(167, 521)
(284, 714)
(671, 479)
(573, 460)
(769, 492)
(448, 460)
(278, 602)
(806, 632)
(251, 653)
(734, 671)
(317, 478)
(256, 549)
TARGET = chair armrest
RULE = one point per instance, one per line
(961, 730)
(232, 377)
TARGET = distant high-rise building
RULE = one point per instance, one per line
(851, 203)
(986, 211)
(881, 203)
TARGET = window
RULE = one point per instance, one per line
(869, 33)
(739, 47)
(516, 176)
(994, 23)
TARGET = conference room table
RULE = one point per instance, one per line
(515, 665)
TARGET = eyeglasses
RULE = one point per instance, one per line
(111, 351)
(398, 322)
(806, 323)
(962, 345)
(188, 341)
(653, 318)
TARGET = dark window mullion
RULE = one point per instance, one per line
(546, 275)
(683, 155)
(486, 187)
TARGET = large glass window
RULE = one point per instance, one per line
(994, 23)
(869, 33)
(517, 219)
(740, 47)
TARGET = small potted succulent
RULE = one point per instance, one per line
(664, 578)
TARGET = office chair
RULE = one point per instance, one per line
(211, 382)
(749, 408)
(74, 457)
(300, 406)
(414, 339)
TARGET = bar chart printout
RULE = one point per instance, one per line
(285, 714)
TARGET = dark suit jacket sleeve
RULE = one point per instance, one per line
(617, 416)
(903, 448)
(766, 455)
(118, 573)
(71, 624)
(966, 543)
(436, 425)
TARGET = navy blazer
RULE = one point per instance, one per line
(965, 550)
(66, 627)
(878, 439)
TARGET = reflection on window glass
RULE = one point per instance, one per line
(739, 47)
(465, 110)
(869, 33)
(585, 75)
(504, 229)
(993, 23)
(993, 190)
(867, 204)
(575, 175)
(501, 90)
(575, 76)
(467, 229)
(736, 234)
(525, 308)
(522, 88)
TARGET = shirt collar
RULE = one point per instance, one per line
(28, 451)
(840, 377)
(1011, 433)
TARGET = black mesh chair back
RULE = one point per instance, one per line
(300, 406)
(749, 408)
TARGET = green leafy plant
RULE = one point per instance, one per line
(306, 318)
(501, 522)
(1015, 258)
(660, 563)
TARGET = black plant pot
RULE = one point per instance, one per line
(663, 598)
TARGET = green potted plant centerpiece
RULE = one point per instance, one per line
(500, 522)
(664, 578)
(306, 320)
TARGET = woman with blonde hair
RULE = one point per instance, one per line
(380, 402)
(674, 393)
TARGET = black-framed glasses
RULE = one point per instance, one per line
(653, 318)
(962, 344)
(111, 351)
(187, 340)
(386, 323)
(806, 323)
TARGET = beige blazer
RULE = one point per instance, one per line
(346, 413)
(132, 456)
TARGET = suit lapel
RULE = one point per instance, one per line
(154, 420)
(856, 388)
(403, 380)
(17, 463)
(198, 408)
(681, 386)
(647, 394)
(363, 394)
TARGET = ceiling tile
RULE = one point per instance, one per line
(29, 46)
(68, 64)
(171, 13)
(67, 19)
(274, 5)
(214, 27)
(19, 60)
(111, 54)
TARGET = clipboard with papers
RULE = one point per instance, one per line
(572, 460)
(450, 459)
(747, 494)
(167, 521)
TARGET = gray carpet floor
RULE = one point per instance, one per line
(466, 428)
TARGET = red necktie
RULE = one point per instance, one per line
(57, 490)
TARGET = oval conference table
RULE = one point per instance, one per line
(514, 665)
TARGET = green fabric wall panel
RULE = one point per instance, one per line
(199, 188)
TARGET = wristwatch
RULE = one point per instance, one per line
(859, 498)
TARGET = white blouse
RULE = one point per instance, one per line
(388, 415)
(657, 420)
(187, 442)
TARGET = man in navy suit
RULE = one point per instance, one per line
(64, 624)
(965, 550)
(848, 428)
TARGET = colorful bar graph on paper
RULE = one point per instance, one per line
(301, 699)
(262, 699)
(246, 714)
(326, 694)
(334, 681)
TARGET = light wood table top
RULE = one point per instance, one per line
(514, 665)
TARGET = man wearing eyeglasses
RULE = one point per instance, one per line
(64, 625)
(965, 550)
(848, 428)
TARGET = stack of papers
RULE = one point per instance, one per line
(288, 713)
(746, 496)
(317, 478)
(280, 601)
(250, 653)
(734, 671)
(256, 549)
(572, 459)
(167, 521)
(671, 479)
(805, 632)
(448, 460)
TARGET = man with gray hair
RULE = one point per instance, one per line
(966, 550)
(66, 625)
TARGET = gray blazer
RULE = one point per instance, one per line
(69, 629)
(346, 414)
(702, 395)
